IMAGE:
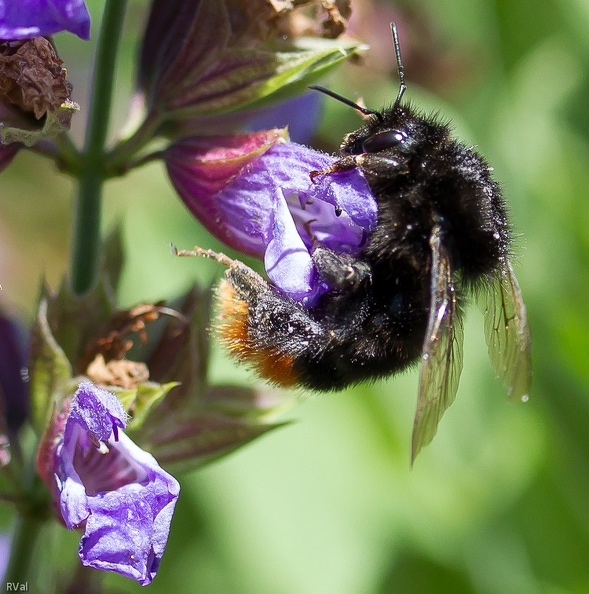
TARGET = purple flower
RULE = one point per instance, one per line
(254, 193)
(109, 487)
(5, 541)
(24, 19)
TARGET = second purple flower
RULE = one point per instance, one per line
(106, 485)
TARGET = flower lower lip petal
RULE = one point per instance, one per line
(119, 495)
(127, 529)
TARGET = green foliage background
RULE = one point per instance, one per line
(499, 502)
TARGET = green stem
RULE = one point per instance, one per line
(119, 160)
(68, 156)
(25, 536)
(33, 509)
(86, 247)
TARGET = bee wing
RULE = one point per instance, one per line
(507, 332)
(441, 359)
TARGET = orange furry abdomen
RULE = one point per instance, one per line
(233, 328)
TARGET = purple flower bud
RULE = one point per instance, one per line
(254, 193)
(205, 59)
(33, 18)
(106, 485)
(14, 393)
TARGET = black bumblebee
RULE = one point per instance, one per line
(442, 234)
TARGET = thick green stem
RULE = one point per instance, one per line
(86, 249)
(86, 240)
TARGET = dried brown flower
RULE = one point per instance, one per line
(32, 77)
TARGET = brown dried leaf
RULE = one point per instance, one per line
(338, 13)
(315, 18)
(124, 373)
(254, 21)
(113, 342)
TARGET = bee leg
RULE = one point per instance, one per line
(343, 164)
(378, 164)
(340, 271)
(245, 280)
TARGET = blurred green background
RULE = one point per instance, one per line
(499, 502)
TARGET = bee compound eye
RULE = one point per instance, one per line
(383, 140)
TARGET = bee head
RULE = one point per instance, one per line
(381, 131)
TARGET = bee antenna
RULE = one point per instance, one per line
(400, 69)
(333, 95)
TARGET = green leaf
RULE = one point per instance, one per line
(247, 403)
(51, 372)
(195, 442)
(296, 70)
(246, 78)
(140, 400)
(75, 320)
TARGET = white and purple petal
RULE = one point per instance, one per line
(112, 489)
(127, 529)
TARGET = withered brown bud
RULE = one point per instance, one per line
(262, 20)
(123, 373)
(114, 339)
(32, 77)
(321, 18)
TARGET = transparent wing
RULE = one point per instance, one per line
(441, 359)
(507, 332)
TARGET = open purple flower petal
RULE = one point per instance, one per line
(269, 207)
(201, 168)
(23, 19)
(112, 489)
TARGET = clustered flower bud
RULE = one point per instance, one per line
(205, 64)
